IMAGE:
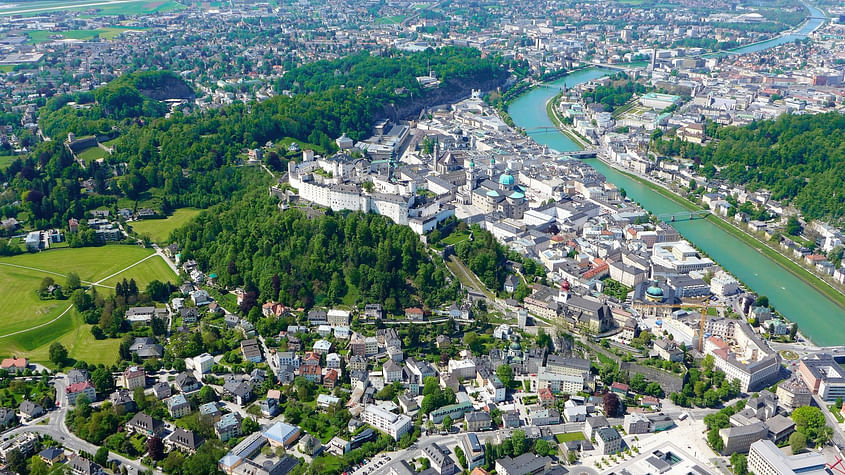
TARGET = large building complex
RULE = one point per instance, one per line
(823, 376)
(765, 458)
(394, 425)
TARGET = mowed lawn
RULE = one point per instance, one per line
(71, 332)
(94, 153)
(152, 269)
(91, 263)
(20, 305)
(6, 161)
(43, 36)
(22, 309)
(159, 229)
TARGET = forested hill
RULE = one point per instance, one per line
(299, 261)
(799, 158)
(381, 76)
(188, 159)
(130, 96)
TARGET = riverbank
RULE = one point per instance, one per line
(563, 128)
(834, 295)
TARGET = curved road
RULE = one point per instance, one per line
(58, 430)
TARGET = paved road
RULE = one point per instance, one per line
(58, 430)
(838, 438)
(166, 259)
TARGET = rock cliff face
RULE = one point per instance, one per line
(447, 93)
(169, 87)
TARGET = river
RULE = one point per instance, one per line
(818, 317)
(814, 21)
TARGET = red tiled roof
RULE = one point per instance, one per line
(14, 363)
(77, 387)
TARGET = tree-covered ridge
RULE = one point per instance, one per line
(799, 158)
(93, 112)
(299, 261)
(186, 159)
(380, 76)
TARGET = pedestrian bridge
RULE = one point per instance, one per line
(685, 216)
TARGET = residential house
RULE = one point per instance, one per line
(14, 365)
(251, 350)
(75, 390)
(239, 391)
(374, 311)
(211, 411)
(183, 440)
(82, 466)
(525, 464)
(75, 376)
(134, 377)
(122, 398)
(189, 315)
(478, 421)
(145, 425)
(313, 373)
(7, 417)
(392, 372)
(146, 347)
(269, 407)
(608, 440)
(178, 406)
(414, 314)
(440, 459)
(186, 382)
(52, 455)
(337, 318)
(330, 379)
(228, 427)
(28, 410)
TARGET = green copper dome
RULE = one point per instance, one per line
(506, 179)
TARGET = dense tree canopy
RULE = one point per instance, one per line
(300, 261)
(799, 158)
(186, 160)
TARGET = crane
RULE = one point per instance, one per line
(704, 304)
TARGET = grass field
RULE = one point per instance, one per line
(22, 309)
(91, 263)
(71, 332)
(6, 160)
(43, 36)
(159, 229)
(390, 20)
(144, 273)
(94, 153)
(569, 436)
(20, 305)
(102, 7)
(112, 142)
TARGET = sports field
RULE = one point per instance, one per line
(28, 323)
(159, 229)
(94, 153)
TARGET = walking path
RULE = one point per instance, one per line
(49, 272)
(98, 283)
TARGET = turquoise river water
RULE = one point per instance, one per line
(819, 318)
